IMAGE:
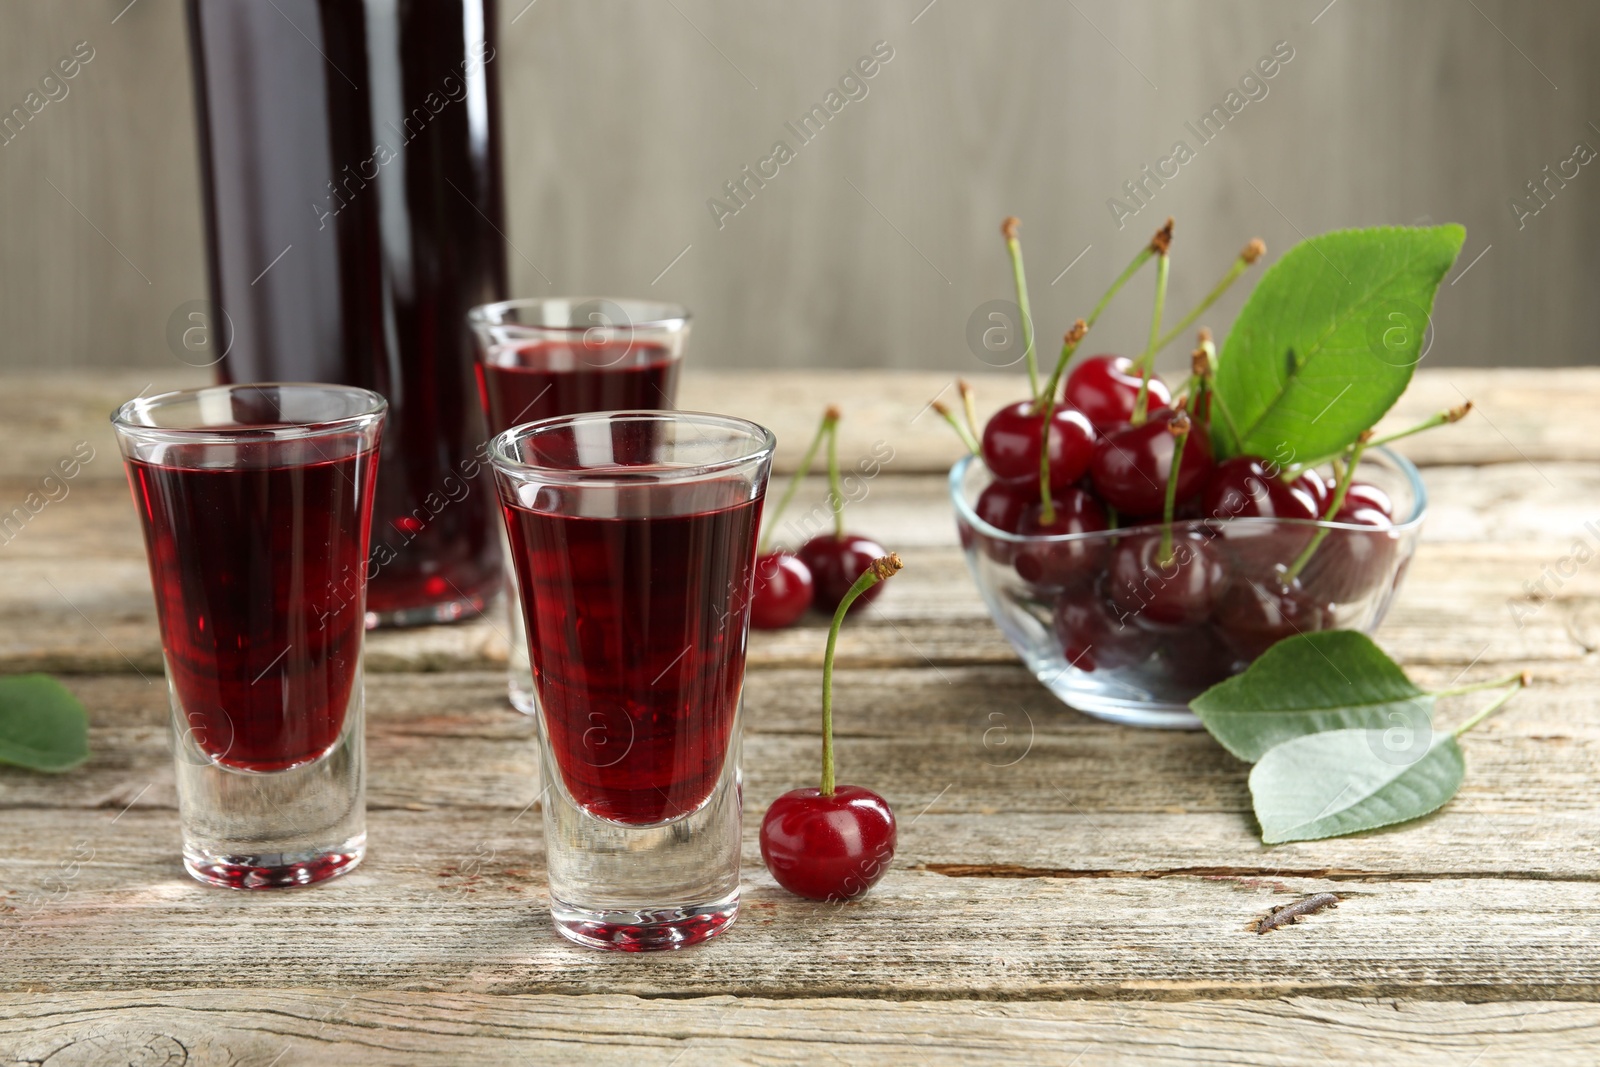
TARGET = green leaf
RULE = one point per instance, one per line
(42, 725)
(1345, 781)
(1328, 340)
(1330, 680)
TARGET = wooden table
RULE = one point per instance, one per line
(1087, 903)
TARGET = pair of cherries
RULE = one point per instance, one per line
(823, 569)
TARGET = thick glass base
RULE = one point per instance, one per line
(274, 870)
(645, 931)
(263, 830)
(640, 888)
(466, 607)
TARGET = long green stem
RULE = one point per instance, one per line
(1146, 362)
(1139, 260)
(1334, 503)
(1522, 682)
(1251, 252)
(955, 424)
(1180, 429)
(969, 404)
(1474, 687)
(1443, 418)
(835, 487)
(1014, 250)
(877, 571)
(1047, 507)
(828, 416)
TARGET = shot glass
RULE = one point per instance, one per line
(634, 539)
(256, 502)
(565, 356)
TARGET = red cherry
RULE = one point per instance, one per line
(1131, 466)
(1314, 486)
(1011, 445)
(835, 563)
(1243, 487)
(1061, 564)
(1002, 506)
(828, 847)
(1105, 389)
(1254, 616)
(1195, 657)
(1093, 637)
(1349, 564)
(1364, 496)
(1179, 591)
(1072, 441)
(783, 591)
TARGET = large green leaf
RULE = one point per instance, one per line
(42, 725)
(1344, 781)
(1328, 340)
(1331, 680)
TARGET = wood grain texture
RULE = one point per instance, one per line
(1044, 856)
(326, 1026)
(1531, 421)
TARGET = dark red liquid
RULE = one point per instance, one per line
(524, 383)
(637, 626)
(258, 574)
(354, 214)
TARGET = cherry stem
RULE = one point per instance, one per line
(1443, 418)
(955, 424)
(1250, 253)
(830, 416)
(1522, 681)
(1047, 507)
(1128, 272)
(835, 487)
(1474, 687)
(1179, 427)
(1334, 503)
(969, 404)
(1146, 362)
(879, 569)
(1014, 250)
(1208, 351)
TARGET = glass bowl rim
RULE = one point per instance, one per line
(1404, 466)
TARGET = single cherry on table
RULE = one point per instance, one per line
(834, 561)
(832, 842)
(783, 590)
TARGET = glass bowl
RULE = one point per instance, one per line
(1128, 652)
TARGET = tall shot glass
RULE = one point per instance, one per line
(256, 502)
(553, 356)
(634, 538)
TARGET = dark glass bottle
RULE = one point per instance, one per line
(349, 160)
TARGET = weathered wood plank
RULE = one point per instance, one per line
(1461, 602)
(477, 923)
(303, 1026)
(1525, 417)
(976, 740)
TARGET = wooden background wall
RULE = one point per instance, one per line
(877, 242)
